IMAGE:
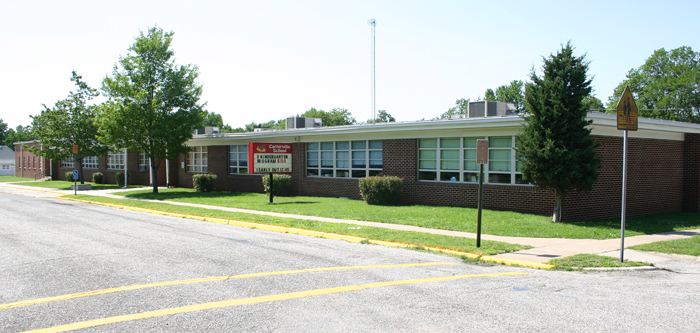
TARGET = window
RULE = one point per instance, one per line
(197, 159)
(70, 163)
(90, 162)
(144, 162)
(115, 160)
(454, 159)
(344, 159)
(238, 159)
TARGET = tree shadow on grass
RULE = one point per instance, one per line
(651, 224)
(296, 202)
(170, 195)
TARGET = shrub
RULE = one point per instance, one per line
(381, 190)
(203, 182)
(281, 183)
(69, 176)
(119, 176)
(98, 178)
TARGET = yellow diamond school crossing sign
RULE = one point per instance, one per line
(627, 112)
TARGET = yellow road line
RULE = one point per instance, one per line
(207, 279)
(32, 189)
(327, 235)
(255, 300)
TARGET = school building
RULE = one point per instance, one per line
(437, 161)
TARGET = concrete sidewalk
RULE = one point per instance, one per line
(544, 249)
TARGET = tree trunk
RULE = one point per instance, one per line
(154, 174)
(558, 199)
(79, 163)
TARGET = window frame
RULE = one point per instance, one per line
(115, 160)
(344, 159)
(203, 165)
(236, 169)
(91, 162)
(464, 174)
(144, 158)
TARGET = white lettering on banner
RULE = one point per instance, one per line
(269, 163)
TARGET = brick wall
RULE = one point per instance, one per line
(658, 182)
(218, 165)
(401, 160)
(29, 165)
(136, 177)
(317, 186)
(691, 173)
(654, 181)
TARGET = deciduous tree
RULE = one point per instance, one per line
(334, 117)
(667, 86)
(554, 145)
(154, 103)
(69, 122)
(461, 107)
(18, 134)
(382, 117)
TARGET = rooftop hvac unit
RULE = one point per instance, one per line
(206, 130)
(301, 122)
(490, 109)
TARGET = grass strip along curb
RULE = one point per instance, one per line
(320, 234)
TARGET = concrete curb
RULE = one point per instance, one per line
(320, 234)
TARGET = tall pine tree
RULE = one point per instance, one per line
(554, 145)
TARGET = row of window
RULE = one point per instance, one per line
(439, 159)
(31, 162)
(454, 159)
(115, 161)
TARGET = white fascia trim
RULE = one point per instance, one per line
(610, 119)
(434, 125)
(605, 122)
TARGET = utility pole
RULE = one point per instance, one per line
(373, 24)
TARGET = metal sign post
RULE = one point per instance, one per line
(482, 157)
(75, 182)
(272, 188)
(270, 158)
(627, 115)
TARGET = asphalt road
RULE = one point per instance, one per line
(194, 276)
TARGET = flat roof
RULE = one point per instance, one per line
(603, 124)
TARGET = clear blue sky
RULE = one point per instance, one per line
(263, 60)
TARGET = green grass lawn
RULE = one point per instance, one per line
(7, 179)
(65, 185)
(449, 218)
(417, 238)
(689, 246)
(579, 261)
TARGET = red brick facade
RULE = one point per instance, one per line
(29, 165)
(663, 176)
(136, 177)
(691, 173)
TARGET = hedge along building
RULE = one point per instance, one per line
(437, 161)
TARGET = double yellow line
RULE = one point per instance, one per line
(236, 302)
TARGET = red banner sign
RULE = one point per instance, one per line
(270, 157)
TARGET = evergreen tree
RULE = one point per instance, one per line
(554, 145)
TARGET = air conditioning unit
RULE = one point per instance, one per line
(490, 109)
(206, 130)
(301, 122)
